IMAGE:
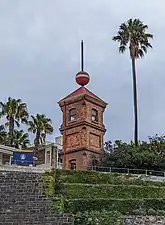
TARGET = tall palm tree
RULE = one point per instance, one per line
(132, 34)
(40, 126)
(20, 139)
(3, 135)
(15, 112)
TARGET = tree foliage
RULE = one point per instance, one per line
(3, 134)
(132, 34)
(13, 114)
(20, 139)
(148, 155)
(40, 125)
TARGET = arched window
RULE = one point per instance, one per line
(72, 164)
(94, 115)
(72, 114)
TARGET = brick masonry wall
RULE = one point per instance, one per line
(22, 199)
(82, 133)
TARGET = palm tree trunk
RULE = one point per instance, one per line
(11, 129)
(135, 102)
(36, 145)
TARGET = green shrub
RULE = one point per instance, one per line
(49, 184)
(124, 206)
(152, 212)
(161, 212)
(112, 191)
(91, 177)
(98, 218)
(144, 212)
(59, 204)
(81, 191)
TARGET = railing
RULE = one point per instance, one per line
(129, 171)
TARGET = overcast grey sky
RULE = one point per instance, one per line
(39, 57)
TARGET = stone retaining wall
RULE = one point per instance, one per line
(23, 202)
(22, 199)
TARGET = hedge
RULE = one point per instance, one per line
(112, 191)
(124, 206)
(91, 177)
(101, 218)
(80, 191)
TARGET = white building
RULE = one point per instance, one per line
(49, 155)
(5, 154)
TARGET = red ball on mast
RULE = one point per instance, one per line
(82, 78)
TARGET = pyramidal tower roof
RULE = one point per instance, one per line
(81, 91)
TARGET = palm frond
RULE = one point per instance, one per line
(144, 48)
(40, 125)
(133, 33)
(17, 123)
(117, 38)
(122, 48)
(149, 35)
(20, 139)
(140, 53)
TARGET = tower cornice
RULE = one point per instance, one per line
(83, 96)
(83, 123)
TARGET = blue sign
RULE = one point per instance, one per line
(23, 157)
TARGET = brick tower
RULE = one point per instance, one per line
(82, 127)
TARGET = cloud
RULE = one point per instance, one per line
(39, 57)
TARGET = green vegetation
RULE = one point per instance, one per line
(15, 113)
(91, 177)
(89, 195)
(40, 126)
(49, 184)
(76, 191)
(20, 139)
(132, 34)
(97, 218)
(124, 206)
(148, 155)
